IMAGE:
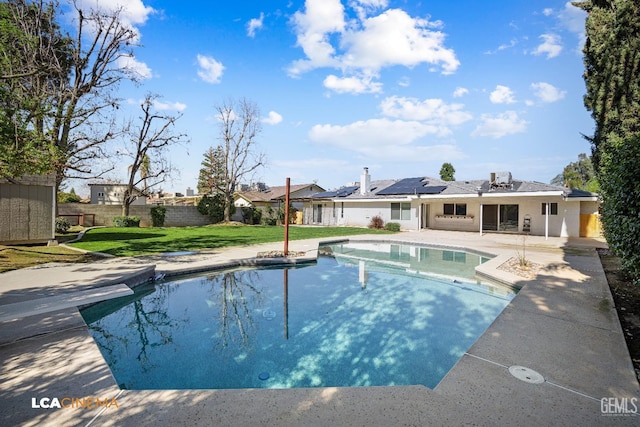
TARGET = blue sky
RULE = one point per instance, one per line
(397, 86)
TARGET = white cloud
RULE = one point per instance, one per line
(352, 84)
(163, 106)
(210, 70)
(273, 118)
(404, 81)
(321, 18)
(433, 112)
(503, 46)
(547, 11)
(255, 24)
(131, 64)
(370, 133)
(460, 91)
(395, 38)
(364, 45)
(134, 12)
(547, 92)
(502, 95)
(364, 8)
(573, 19)
(550, 46)
(384, 139)
(497, 126)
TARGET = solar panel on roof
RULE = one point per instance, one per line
(341, 192)
(411, 186)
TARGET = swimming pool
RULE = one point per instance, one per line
(367, 314)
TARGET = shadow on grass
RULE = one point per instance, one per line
(184, 243)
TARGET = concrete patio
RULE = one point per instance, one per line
(562, 324)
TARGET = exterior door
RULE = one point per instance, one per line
(490, 217)
(425, 216)
(317, 214)
(509, 218)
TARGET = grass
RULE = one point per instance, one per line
(139, 241)
(15, 257)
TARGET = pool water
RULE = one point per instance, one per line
(365, 315)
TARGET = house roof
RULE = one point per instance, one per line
(274, 193)
(433, 187)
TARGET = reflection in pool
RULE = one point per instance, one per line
(364, 315)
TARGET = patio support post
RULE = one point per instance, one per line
(481, 219)
(286, 218)
(546, 222)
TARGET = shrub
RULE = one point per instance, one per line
(270, 217)
(126, 221)
(70, 197)
(377, 223)
(252, 215)
(392, 226)
(62, 225)
(618, 176)
(157, 216)
(213, 207)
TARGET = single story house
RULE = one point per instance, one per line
(27, 209)
(113, 194)
(498, 204)
(262, 196)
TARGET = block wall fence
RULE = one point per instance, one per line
(176, 216)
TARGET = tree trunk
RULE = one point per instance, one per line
(125, 203)
(227, 208)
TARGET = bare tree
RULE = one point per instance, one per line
(147, 147)
(239, 128)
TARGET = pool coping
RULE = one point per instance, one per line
(478, 389)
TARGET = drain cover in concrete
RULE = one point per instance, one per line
(526, 374)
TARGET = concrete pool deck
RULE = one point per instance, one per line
(562, 324)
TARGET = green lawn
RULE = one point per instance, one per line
(138, 241)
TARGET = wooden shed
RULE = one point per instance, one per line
(27, 209)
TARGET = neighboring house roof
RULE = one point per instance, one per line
(432, 187)
(274, 193)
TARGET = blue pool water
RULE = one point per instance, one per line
(370, 314)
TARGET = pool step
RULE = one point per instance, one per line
(66, 300)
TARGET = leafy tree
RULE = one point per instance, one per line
(34, 57)
(580, 175)
(61, 86)
(70, 197)
(239, 129)
(447, 172)
(213, 206)
(211, 174)
(612, 67)
(147, 147)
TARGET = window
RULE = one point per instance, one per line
(553, 209)
(342, 210)
(455, 209)
(401, 211)
(449, 208)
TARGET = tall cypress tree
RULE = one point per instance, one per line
(612, 78)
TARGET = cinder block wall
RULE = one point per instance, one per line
(176, 216)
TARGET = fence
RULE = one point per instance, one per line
(176, 216)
